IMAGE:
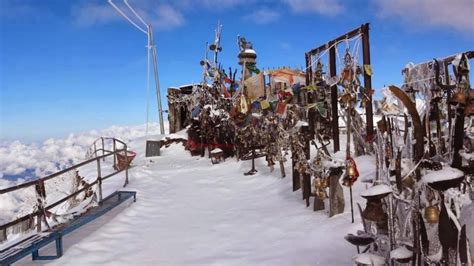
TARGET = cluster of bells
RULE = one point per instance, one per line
(320, 185)
(464, 98)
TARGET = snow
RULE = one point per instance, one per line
(447, 173)
(249, 51)
(376, 190)
(191, 212)
(216, 150)
(369, 259)
(401, 253)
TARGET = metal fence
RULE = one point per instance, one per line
(95, 155)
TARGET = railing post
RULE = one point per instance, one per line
(115, 155)
(38, 223)
(103, 149)
(126, 165)
(99, 180)
(95, 150)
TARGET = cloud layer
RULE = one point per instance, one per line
(263, 16)
(322, 7)
(54, 154)
(454, 14)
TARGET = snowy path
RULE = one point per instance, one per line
(190, 212)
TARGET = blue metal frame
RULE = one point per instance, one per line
(105, 205)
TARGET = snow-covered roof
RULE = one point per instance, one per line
(250, 51)
(447, 173)
(376, 190)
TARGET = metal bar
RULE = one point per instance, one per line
(37, 213)
(126, 167)
(367, 81)
(34, 182)
(334, 109)
(324, 47)
(99, 180)
(103, 148)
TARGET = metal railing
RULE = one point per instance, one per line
(39, 183)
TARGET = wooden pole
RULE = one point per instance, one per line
(367, 80)
(334, 109)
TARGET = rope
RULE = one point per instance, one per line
(135, 13)
(126, 17)
(358, 36)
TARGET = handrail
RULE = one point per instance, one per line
(38, 182)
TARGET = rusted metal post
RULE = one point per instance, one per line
(369, 116)
(334, 109)
(99, 180)
(309, 71)
(126, 166)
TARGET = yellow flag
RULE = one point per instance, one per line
(265, 104)
(368, 70)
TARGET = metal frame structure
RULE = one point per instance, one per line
(363, 30)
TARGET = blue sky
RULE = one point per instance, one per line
(69, 66)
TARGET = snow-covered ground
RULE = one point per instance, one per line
(190, 212)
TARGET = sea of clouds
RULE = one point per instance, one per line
(21, 161)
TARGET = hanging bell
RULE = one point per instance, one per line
(458, 98)
(317, 184)
(321, 194)
(324, 183)
(432, 214)
(350, 171)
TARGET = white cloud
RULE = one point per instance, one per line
(455, 14)
(91, 14)
(162, 16)
(54, 154)
(167, 18)
(263, 16)
(323, 7)
(22, 10)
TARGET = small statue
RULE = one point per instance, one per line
(243, 43)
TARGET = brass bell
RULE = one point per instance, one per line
(432, 214)
(321, 194)
(317, 183)
(351, 171)
(458, 98)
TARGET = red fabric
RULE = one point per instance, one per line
(281, 108)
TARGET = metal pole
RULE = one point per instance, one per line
(157, 82)
(334, 109)
(367, 79)
(103, 149)
(352, 208)
(99, 180)
(126, 167)
(148, 80)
